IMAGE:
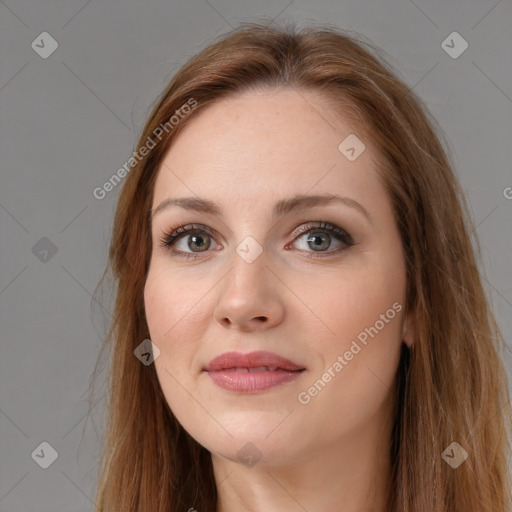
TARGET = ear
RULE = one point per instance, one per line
(409, 333)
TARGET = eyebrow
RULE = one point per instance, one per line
(281, 208)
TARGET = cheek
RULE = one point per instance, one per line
(164, 316)
(363, 309)
(175, 321)
(359, 364)
(354, 296)
(168, 304)
(162, 319)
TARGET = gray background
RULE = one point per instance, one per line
(69, 121)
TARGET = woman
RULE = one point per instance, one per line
(299, 320)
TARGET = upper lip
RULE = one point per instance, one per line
(250, 360)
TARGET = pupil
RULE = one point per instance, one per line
(315, 237)
(195, 238)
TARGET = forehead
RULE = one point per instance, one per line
(263, 146)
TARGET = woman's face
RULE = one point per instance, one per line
(275, 280)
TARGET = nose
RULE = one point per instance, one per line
(250, 296)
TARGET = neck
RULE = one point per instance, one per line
(351, 475)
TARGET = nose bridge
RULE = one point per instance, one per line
(248, 293)
(249, 264)
(250, 250)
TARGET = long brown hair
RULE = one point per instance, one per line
(451, 385)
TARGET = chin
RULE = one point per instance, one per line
(251, 441)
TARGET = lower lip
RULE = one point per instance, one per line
(250, 382)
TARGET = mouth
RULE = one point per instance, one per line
(257, 369)
(257, 361)
(253, 372)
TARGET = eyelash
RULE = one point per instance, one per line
(169, 238)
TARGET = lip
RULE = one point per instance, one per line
(250, 360)
(235, 371)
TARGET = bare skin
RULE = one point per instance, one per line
(325, 450)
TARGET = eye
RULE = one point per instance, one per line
(320, 235)
(200, 239)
